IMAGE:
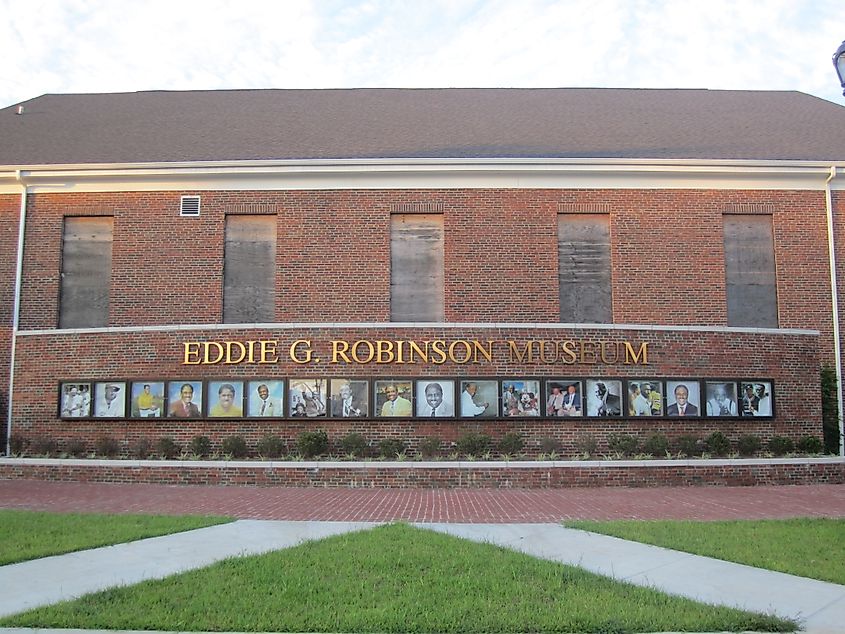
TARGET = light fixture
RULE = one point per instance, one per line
(839, 64)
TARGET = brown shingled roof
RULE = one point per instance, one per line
(233, 125)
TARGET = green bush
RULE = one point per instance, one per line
(167, 448)
(312, 443)
(586, 444)
(622, 444)
(656, 445)
(780, 445)
(430, 447)
(550, 445)
(830, 411)
(200, 446)
(511, 444)
(17, 445)
(718, 444)
(41, 446)
(106, 446)
(76, 447)
(391, 448)
(353, 444)
(690, 445)
(235, 446)
(270, 446)
(748, 445)
(141, 448)
(473, 444)
(810, 444)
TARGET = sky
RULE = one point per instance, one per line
(83, 46)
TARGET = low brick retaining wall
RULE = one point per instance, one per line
(438, 475)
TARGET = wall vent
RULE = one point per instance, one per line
(190, 206)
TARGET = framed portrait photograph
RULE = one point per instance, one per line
(683, 398)
(479, 398)
(604, 397)
(564, 397)
(184, 399)
(435, 398)
(721, 398)
(110, 399)
(307, 397)
(75, 400)
(521, 397)
(225, 399)
(350, 398)
(147, 399)
(394, 398)
(645, 397)
(755, 398)
(265, 398)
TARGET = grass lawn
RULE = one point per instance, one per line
(811, 548)
(394, 578)
(31, 534)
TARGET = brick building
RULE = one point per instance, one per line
(173, 264)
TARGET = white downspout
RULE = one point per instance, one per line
(834, 295)
(16, 310)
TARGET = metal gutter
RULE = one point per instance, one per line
(16, 309)
(834, 297)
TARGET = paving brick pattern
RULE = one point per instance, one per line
(426, 505)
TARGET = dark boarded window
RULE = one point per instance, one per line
(86, 272)
(249, 269)
(750, 271)
(416, 267)
(584, 268)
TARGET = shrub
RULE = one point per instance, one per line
(690, 445)
(780, 445)
(200, 446)
(622, 444)
(235, 446)
(429, 447)
(718, 444)
(549, 445)
(511, 443)
(391, 448)
(107, 446)
(353, 444)
(748, 445)
(141, 448)
(830, 411)
(312, 443)
(75, 447)
(810, 444)
(586, 444)
(167, 448)
(41, 446)
(17, 444)
(473, 444)
(270, 446)
(656, 444)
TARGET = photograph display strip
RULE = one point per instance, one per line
(418, 398)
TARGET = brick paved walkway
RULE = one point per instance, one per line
(421, 505)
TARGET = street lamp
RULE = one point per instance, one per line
(839, 64)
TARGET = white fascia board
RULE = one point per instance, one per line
(427, 174)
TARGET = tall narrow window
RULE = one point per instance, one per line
(249, 269)
(86, 272)
(416, 267)
(584, 268)
(750, 271)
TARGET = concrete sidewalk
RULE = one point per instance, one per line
(819, 606)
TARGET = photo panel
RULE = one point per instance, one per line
(564, 397)
(350, 398)
(479, 398)
(394, 398)
(307, 397)
(184, 399)
(75, 399)
(721, 398)
(147, 399)
(645, 397)
(225, 399)
(683, 398)
(521, 397)
(110, 399)
(755, 398)
(604, 397)
(265, 398)
(435, 398)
